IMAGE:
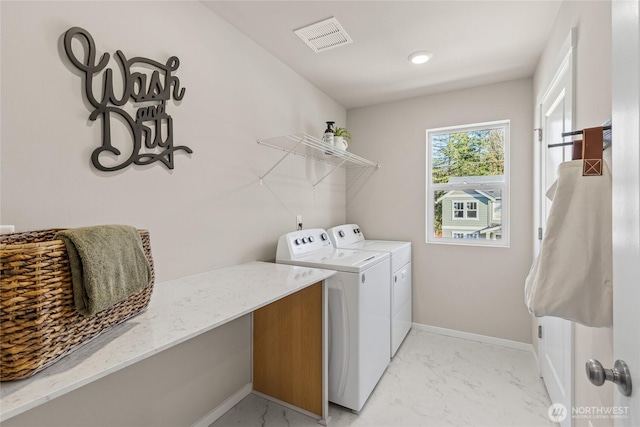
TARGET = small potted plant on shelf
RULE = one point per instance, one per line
(341, 139)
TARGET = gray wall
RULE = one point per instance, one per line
(486, 296)
(210, 211)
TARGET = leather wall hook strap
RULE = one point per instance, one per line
(592, 146)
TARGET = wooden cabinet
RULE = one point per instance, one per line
(288, 353)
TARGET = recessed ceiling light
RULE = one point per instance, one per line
(420, 57)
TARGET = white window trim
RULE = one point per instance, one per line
(504, 186)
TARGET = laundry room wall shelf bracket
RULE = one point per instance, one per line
(310, 147)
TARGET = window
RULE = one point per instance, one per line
(497, 210)
(465, 235)
(472, 210)
(467, 184)
(465, 210)
(458, 210)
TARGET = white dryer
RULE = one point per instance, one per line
(359, 311)
(349, 236)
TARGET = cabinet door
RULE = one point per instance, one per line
(401, 310)
(287, 349)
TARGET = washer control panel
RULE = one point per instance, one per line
(302, 242)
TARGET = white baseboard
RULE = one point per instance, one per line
(231, 401)
(474, 337)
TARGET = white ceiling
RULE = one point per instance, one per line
(474, 43)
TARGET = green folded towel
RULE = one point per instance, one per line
(107, 265)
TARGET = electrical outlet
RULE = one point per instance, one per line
(6, 229)
(298, 222)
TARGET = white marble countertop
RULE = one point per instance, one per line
(179, 310)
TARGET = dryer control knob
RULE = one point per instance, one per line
(310, 239)
(297, 241)
(341, 233)
(305, 240)
(323, 236)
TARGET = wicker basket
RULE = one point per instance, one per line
(38, 320)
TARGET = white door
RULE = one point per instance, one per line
(626, 202)
(555, 348)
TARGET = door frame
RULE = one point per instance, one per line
(565, 63)
(625, 149)
(566, 59)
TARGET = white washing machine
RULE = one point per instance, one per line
(349, 236)
(359, 311)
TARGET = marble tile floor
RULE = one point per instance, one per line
(433, 380)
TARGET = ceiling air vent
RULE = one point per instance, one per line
(324, 35)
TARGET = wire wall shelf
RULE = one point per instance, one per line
(311, 147)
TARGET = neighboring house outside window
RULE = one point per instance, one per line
(467, 184)
(472, 214)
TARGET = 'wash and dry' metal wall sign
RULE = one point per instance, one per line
(152, 128)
